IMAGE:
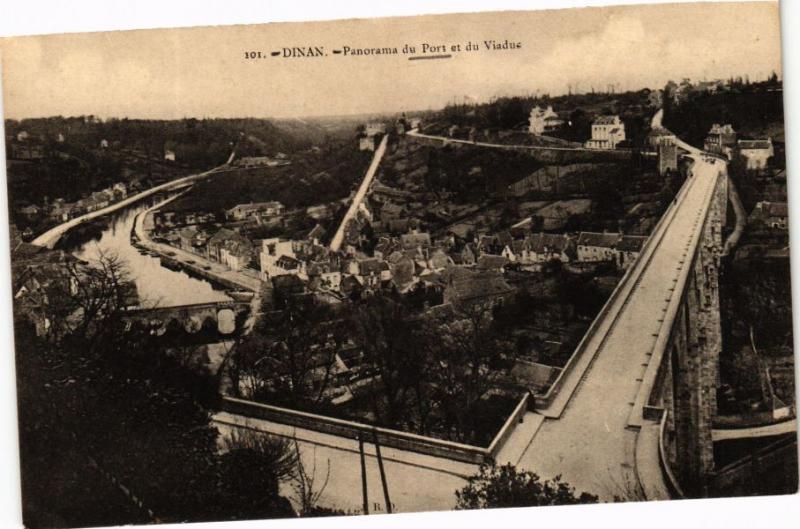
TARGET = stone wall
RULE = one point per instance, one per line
(387, 437)
(690, 377)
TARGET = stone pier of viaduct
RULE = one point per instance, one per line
(683, 392)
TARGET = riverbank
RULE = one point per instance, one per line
(52, 236)
(191, 262)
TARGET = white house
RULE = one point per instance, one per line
(756, 152)
(278, 257)
(543, 120)
(373, 128)
(255, 209)
(607, 133)
(539, 248)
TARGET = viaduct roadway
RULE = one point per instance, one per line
(593, 426)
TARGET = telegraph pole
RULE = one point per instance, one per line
(363, 474)
(383, 473)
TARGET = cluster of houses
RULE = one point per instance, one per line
(722, 139)
(269, 213)
(413, 260)
(774, 215)
(607, 131)
(405, 262)
(680, 92)
(219, 236)
(402, 262)
(61, 211)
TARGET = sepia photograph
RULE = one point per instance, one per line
(400, 264)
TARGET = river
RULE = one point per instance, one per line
(156, 284)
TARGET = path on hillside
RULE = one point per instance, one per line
(336, 242)
(414, 133)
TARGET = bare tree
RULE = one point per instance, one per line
(384, 332)
(305, 483)
(88, 300)
(467, 359)
(292, 352)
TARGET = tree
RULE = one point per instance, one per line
(308, 490)
(251, 471)
(87, 301)
(466, 359)
(130, 420)
(383, 330)
(292, 351)
(505, 486)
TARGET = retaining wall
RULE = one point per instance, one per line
(386, 437)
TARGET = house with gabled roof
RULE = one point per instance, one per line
(628, 248)
(607, 133)
(217, 241)
(595, 247)
(539, 248)
(236, 253)
(756, 153)
(468, 286)
(415, 240)
(772, 214)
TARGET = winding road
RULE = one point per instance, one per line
(51, 236)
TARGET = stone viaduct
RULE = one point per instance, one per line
(681, 386)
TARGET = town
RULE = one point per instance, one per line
(436, 284)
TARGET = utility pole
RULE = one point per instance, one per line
(363, 474)
(383, 472)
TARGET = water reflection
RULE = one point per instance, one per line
(155, 284)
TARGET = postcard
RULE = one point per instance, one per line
(370, 266)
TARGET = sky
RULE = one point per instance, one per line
(203, 72)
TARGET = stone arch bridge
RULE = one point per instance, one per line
(222, 316)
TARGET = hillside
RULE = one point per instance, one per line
(312, 178)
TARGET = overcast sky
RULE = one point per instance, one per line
(202, 72)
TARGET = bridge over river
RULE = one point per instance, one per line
(221, 315)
